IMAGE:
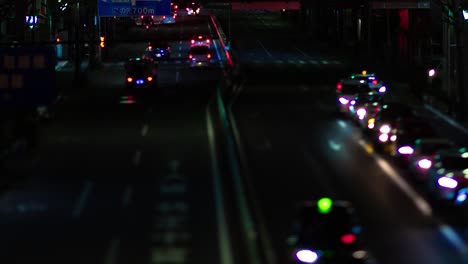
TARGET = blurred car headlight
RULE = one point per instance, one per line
(361, 112)
(406, 150)
(424, 164)
(307, 256)
(447, 182)
(343, 100)
(383, 137)
(385, 129)
(382, 89)
(360, 254)
(431, 72)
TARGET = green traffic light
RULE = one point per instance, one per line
(324, 205)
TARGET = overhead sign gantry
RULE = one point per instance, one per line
(131, 8)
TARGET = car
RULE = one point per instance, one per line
(365, 106)
(346, 91)
(384, 122)
(424, 151)
(193, 9)
(447, 177)
(200, 40)
(326, 231)
(407, 130)
(371, 79)
(147, 21)
(140, 74)
(199, 56)
(169, 19)
(157, 50)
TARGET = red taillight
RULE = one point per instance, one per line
(374, 82)
(190, 56)
(168, 48)
(173, 16)
(348, 238)
(200, 37)
(141, 17)
(377, 108)
(208, 56)
(152, 17)
(129, 79)
(207, 41)
(164, 17)
(193, 41)
(149, 78)
(339, 86)
(176, 7)
(150, 48)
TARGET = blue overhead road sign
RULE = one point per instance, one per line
(130, 8)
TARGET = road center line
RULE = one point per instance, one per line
(144, 130)
(113, 251)
(136, 158)
(127, 195)
(267, 52)
(87, 188)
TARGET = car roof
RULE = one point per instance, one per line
(352, 82)
(199, 48)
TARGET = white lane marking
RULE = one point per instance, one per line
(180, 47)
(420, 203)
(302, 52)
(223, 234)
(87, 188)
(267, 52)
(113, 251)
(454, 239)
(342, 123)
(136, 158)
(180, 42)
(177, 77)
(144, 130)
(179, 55)
(127, 195)
(446, 118)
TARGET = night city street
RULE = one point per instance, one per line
(209, 164)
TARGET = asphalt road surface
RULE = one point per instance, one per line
(120, 183)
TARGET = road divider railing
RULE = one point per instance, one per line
(240, 201)
(254, 244)
(222, 39)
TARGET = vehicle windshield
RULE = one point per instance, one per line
(324, 230)
(199, 50)
(137, 68)
(354, 88)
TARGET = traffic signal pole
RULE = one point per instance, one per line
(77, 44)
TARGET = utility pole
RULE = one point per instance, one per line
(77, 43)
(459, 30)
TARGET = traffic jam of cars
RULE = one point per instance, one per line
(400, 132)
(141, 73)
